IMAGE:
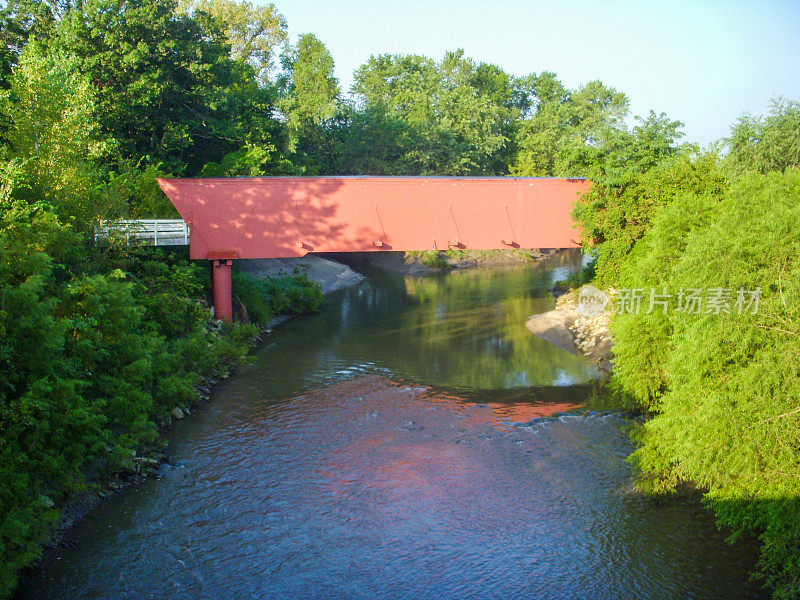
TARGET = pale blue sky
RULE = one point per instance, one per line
(702, 62)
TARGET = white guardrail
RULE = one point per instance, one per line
(153, 232)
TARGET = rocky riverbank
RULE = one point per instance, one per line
(570, 330)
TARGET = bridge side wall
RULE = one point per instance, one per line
(278, 217)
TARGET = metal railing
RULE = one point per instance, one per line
(155, 232)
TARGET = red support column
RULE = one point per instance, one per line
(221, 289)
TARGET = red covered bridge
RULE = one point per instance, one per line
(278, 217)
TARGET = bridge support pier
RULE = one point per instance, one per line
(221, 292)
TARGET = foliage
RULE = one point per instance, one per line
(248, 161)
(430, 258)
(166, 86)
(576, 280)
(312, 88)
(21, 21)
(642, 344)
(454, 113)
(253, 31)
(53, 130)
(728, 407)
(614, 218)
(134, 192)
(567, 130)
(723, 389)
(90, 364)
(770, 143)
(265, 298)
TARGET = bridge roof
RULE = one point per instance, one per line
(275, 217)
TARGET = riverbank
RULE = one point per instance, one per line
(329, 275)
(574, 332)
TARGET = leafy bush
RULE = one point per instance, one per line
(614, 216)
(642, 341)
(727, 385)
(265, 298)
(90, 364)
(430, 258)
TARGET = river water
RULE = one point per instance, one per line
(412, 441)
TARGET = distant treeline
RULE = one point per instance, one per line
(97, 344)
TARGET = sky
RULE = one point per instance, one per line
(702, 62)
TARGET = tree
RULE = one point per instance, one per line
(615, 216)
(311, 90)
(768, 143)
(53, 131)
(253, 31)
(457, 115)
(567, 133)
(22, 20)
(727, 382)
(166, 86)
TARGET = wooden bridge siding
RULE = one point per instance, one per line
(268, 217)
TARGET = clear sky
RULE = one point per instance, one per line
(702, 62)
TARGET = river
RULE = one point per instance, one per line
(413, 440)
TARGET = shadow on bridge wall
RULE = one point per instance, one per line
(253, 218)
(275, 217)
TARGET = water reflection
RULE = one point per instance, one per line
(371, 490)
(464, 330)
(394, 447)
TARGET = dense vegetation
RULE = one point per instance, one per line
(98, 343)
(722, 384)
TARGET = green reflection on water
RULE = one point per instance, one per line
(463, 330)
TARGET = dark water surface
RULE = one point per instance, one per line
(375, 452)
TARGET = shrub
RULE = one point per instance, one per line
(615, 217)
(727, 385)
(265, 298)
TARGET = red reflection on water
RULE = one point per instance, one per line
(520, 413)
(502, 414)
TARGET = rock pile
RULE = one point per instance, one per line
(592, 335)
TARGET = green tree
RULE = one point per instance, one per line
(368, 142)
(253, 31)
(767, 143)
(567, 133)
(311, 93)
(22, 20)
(166, 86)
(728, 401)
(53, 131)
(457, 114)
(616, 212)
